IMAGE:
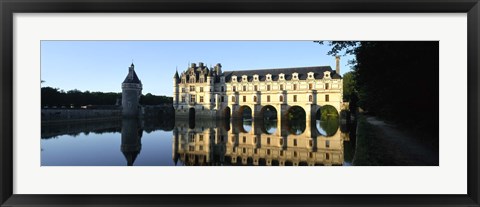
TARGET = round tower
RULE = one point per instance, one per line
(131, 92)
(176, 80)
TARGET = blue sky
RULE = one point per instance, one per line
(103, 65)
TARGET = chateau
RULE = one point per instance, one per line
(206, 92)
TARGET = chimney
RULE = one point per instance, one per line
(337, 68)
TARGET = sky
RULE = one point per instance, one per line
(103, 65)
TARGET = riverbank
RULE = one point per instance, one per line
(383, 144)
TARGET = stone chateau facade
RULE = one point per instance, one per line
(203, 92)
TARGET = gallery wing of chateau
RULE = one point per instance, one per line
(205, 92)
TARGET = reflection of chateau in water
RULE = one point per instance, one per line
(256, 143)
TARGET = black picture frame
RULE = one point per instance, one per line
(9, 7)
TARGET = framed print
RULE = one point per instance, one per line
(190, 103)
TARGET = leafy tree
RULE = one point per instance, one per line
(348, 85)
(396, 80)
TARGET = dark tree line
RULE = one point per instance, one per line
(396, 80)
(56, 97)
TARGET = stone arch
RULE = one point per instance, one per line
(227, 112)
(296, 117)
(245, 111)
(269, 112)
(327, 120)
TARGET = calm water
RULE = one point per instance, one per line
(178, 143)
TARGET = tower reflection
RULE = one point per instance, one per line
(131, 139)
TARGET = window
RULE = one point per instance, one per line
(327, 98)
(310, 86)
(255, 88)
(326, 86)
(233, 139)
(268, 140)
(201, 99)
(295, 154)
(201, 89)
(192, 99)
(192, 88)
(281, 87)
(310, 143)
(234, 88)
(268, 151)
(327, 143)
(244, 98)
(281, 153)
(310, 98)
(222, 89)
(244, 150)
(183, 90)
(222, 99)
(233, 99)
(200, 138)
(201, 147)
(281, 141)
(254, 98)
(327, 156)
(183, 99)
(295, 142)
(255, 140)
(310, 154)
(294, 86)
(294, 98)
(281, 98)
(244, 88)
(268, 98)
(255, 151)
(268, 87)
(244, 139)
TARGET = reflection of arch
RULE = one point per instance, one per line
(268, 126)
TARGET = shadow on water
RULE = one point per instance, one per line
(230, 142)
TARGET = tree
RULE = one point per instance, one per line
(396, 80)
(348, 85)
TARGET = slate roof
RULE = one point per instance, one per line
(134, 78)
(302, 73)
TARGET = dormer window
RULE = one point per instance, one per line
(310, 75)
(295, 76)
(281, 76)
(234, 78)
(326, 75)
(255, 77)
(269, 77)
(244, 78)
